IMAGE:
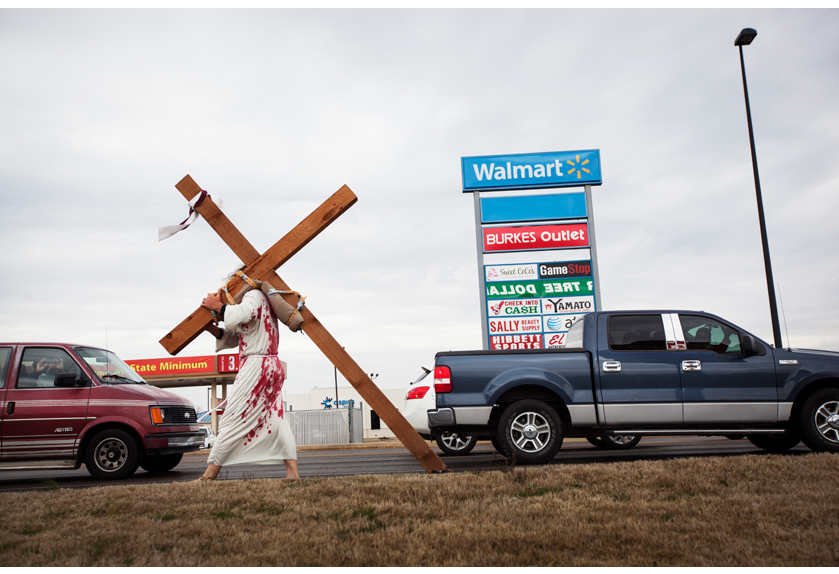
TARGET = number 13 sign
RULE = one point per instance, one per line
(228, 363)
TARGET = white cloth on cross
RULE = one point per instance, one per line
(169, 230)
(253, 428)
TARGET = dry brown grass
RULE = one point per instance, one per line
(742, 511)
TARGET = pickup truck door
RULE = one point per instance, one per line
(639, 374)
(42, 421)
(719, 383)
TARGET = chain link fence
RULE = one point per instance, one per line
(326, 426)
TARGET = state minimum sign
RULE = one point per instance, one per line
(531, 170)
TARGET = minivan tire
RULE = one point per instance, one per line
(161, 462)
(530, 432)
(112, 454)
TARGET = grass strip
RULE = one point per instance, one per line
(754, 510)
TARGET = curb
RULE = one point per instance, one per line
(384, 443)
(389, 443)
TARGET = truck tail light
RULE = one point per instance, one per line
(157, 415)
(417, 393)
(442, 380)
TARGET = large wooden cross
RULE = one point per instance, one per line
(263, 267)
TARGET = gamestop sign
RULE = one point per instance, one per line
(535, 237)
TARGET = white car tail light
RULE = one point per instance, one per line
(417, 393)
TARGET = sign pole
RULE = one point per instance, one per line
(595, 269)
(479, 238)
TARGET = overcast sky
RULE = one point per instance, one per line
(103, 112)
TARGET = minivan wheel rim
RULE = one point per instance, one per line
(111, 455)
(530, 432)
(455, 441)
(827, 420)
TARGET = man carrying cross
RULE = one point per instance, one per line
(253, 428)
(262, 267)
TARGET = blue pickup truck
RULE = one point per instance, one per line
(640, 373)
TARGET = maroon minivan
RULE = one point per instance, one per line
(64, 405)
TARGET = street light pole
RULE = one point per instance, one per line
(744, 39)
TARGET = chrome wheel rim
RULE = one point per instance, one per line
(456, 441)
(530, 432)
(827, 420)
(111, 455)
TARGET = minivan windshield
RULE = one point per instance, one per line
(108, 368)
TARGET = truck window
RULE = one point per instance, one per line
(41, 365)
(636, 333)
(5, 359)
(574, 337)
(706, 334)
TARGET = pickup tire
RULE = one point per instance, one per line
(820, 421)
(529, 432)
(161, 462)
(456, 443)
(774, 443)
(494, 440)
(112, 454)
(622, 442)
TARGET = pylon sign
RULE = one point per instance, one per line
(537, 254)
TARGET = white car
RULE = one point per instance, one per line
(420, 399)
(209, 437)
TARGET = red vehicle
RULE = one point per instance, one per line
(64, 405)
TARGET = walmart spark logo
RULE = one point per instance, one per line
(577, 168)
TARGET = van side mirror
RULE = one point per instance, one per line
(65, 380)
(751, 347)
(70, 380)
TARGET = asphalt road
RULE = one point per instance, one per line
(394, 460)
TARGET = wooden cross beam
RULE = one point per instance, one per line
(263, 267)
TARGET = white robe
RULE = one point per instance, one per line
(253, 429)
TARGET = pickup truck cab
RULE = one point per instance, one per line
(640, 373)
(63, 405)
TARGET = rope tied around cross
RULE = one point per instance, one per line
(285, 312)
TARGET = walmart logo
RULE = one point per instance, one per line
(579, 168)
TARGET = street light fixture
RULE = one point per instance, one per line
(744, 39)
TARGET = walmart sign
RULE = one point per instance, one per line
(531, 170)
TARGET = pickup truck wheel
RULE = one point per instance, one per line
(496, 446)
(820, 421)
(161, 462)
(621, 442)
(112, 455)
(530, 432)
(456, 443)
(774, 443)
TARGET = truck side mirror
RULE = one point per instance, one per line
(751, 347)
